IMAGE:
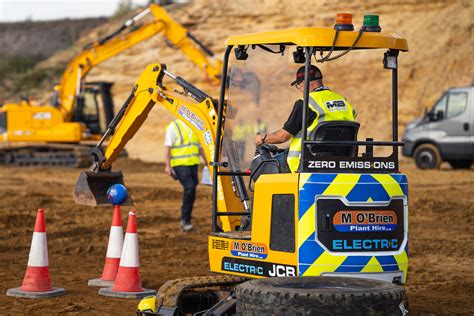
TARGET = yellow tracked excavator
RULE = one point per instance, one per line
(330, 238)
(80, 111)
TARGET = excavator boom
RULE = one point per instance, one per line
(119, 40)
(148, 91)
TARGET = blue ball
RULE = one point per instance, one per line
(117, 194)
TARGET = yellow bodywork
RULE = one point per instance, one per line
(321, 37)
(36, 124)
(225, 249)
(257, 254)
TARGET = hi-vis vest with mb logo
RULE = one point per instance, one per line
(328, 106)
(185, 149)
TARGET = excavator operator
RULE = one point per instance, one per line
(324, 104)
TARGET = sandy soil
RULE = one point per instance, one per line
(441, 247)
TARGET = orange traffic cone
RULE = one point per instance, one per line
(114, 249)
(128, 283)
(37, 282)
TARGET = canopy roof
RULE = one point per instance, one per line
(321, 37)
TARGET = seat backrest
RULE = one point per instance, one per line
(335, 130)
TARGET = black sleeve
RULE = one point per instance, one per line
(293, 123)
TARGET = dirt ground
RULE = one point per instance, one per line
(441, 247)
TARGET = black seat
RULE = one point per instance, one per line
(335, 131)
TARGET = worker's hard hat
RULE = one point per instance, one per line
(314, 74)
(147, 305)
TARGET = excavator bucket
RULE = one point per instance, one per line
(91, 187)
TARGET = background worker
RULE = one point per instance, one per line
(324, 105)
(182, 151)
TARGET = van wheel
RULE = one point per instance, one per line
(320, 296)
(427, 156)
(460, 164)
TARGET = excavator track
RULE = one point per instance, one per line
(169, 294)
(66, 155)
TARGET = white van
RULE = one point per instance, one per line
(445, 133)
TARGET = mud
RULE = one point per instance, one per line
(441, 245)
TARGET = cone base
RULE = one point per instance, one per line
(100, 282)
(109, 292)
(18, 292)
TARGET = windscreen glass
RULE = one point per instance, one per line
(260, 99)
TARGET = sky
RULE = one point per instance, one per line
(36, 10)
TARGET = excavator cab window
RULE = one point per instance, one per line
(274, 68)
(257, 86)
(259, 99)
(87, 110)
(95, 107)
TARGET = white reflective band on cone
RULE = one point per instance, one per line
(130, 251)
(38, 251)
(114, 248)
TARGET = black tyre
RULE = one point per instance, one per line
(460, 164)
(427, 156)
(320, 296)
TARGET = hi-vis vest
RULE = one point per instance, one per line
(185, 149)
(328, 106)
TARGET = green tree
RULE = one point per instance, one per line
(124, 7)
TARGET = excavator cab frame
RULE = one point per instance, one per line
(300, 221)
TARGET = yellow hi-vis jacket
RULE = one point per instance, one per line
(328, 106)
(242, 131)
(185, 149)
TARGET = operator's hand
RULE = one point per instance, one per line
(170, 172)
(259, 139)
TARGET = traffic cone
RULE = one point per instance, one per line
(114, 249)
(128, 283)
(37, 282)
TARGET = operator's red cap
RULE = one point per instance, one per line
(314, 74)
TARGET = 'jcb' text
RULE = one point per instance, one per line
(282, 271)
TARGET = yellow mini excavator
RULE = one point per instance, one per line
(330, 238)
(80, 111)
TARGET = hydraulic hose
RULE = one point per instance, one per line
(194, 91)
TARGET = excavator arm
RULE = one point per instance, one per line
(147, 92)
(118, 41)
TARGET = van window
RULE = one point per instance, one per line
(457, 103)
(441, 105)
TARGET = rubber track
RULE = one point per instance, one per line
(70, 156)
(169, 293)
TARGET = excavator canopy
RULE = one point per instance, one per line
(321, 37)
